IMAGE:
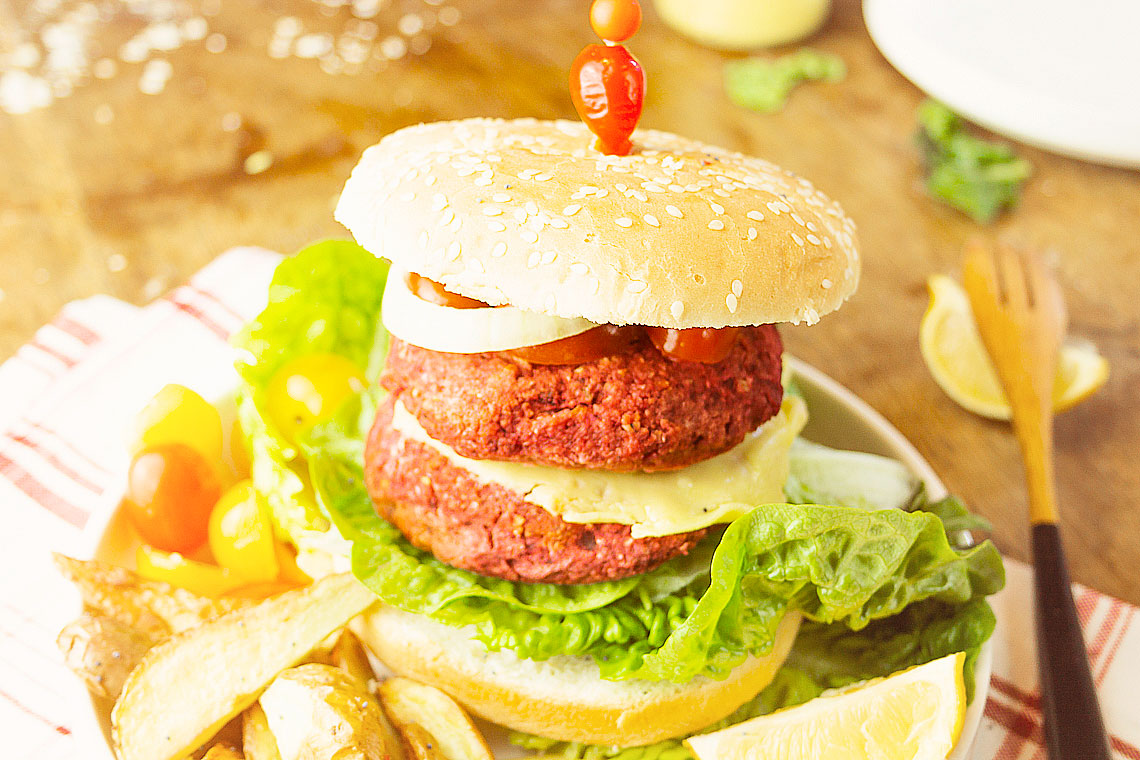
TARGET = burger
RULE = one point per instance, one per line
(570, 486)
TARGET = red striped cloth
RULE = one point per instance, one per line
(66, 401)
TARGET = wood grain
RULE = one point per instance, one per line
(163, 186)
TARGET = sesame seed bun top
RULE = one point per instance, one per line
(677, 234)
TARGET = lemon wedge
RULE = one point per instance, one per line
(955, 355)
(913, 715)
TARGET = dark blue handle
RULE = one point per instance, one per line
(1074, 729)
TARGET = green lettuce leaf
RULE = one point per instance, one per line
(324, 299)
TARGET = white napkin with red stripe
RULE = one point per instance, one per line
(66, 401)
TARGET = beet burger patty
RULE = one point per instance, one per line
(634, 410)
(491, 530)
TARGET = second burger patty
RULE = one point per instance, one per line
(637, 410)
(491, 530)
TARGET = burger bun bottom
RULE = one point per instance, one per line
(562, 698)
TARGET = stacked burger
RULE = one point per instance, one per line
(583, 388)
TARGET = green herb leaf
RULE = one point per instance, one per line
(764, 84)
(975, 176)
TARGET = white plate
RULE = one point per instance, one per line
(838, 418)
(1055, 74)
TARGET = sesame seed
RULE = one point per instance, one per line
(731, 302)
(676, 188)
(531, 207)
(580, 268)
(454, 250)
(601, 193)
(716, 224)
(533, 259)
(637, 286)
(543, 177)
(447, 218)
(529, 236)
(520, 215)
(496, 226)
(721, 192)
(407, 197)
(674, 211)
(549, 257)
(774, 207)
(717, 208)
(799, 240)
(798, 219)
(813, 239)
(571, 210)
(752, 233)
(501, 198)
(755, 216)
(438, 202)
(492, 211)
(560, 224)
(595, 286)
(475, 265)
(677, 309)
(499, 249)
(737, 288)
(651, 220)
(623, 222)
(825, 283)
(827, 242)
(482, 180)
(653, 187)
(423, 239)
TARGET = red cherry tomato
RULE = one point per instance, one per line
(171, 489)
(615, 20)
(607, 85)
(698, 344)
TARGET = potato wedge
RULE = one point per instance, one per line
(349, 656)
(154, 608)
(222, 752)
(257, 740)
(418, 711)
(320, 712)
(102, 651)
(192, 683)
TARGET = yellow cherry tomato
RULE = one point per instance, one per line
(241, 537)
(309, 390)
(177, 414)
(290, 571)
(239, 451)
(177, 570)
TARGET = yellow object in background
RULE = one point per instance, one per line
(241, 536)
(309, 390)
(913, 715)
(177, 414)
(175, 569)
(744, 24)
(956, 357)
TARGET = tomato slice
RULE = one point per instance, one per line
(605, 340)
(432, 292)
(697, 344)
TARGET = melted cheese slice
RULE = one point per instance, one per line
(716, 490)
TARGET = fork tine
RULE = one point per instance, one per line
(1047, 291)
(979, 277)
(1011, 271)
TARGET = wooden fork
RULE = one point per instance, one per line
(1020, 313)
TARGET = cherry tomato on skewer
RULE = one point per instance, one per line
(615, 20)
(607, 85)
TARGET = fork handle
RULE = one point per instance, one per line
(1074, 729)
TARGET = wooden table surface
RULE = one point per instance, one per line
(110, 190)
